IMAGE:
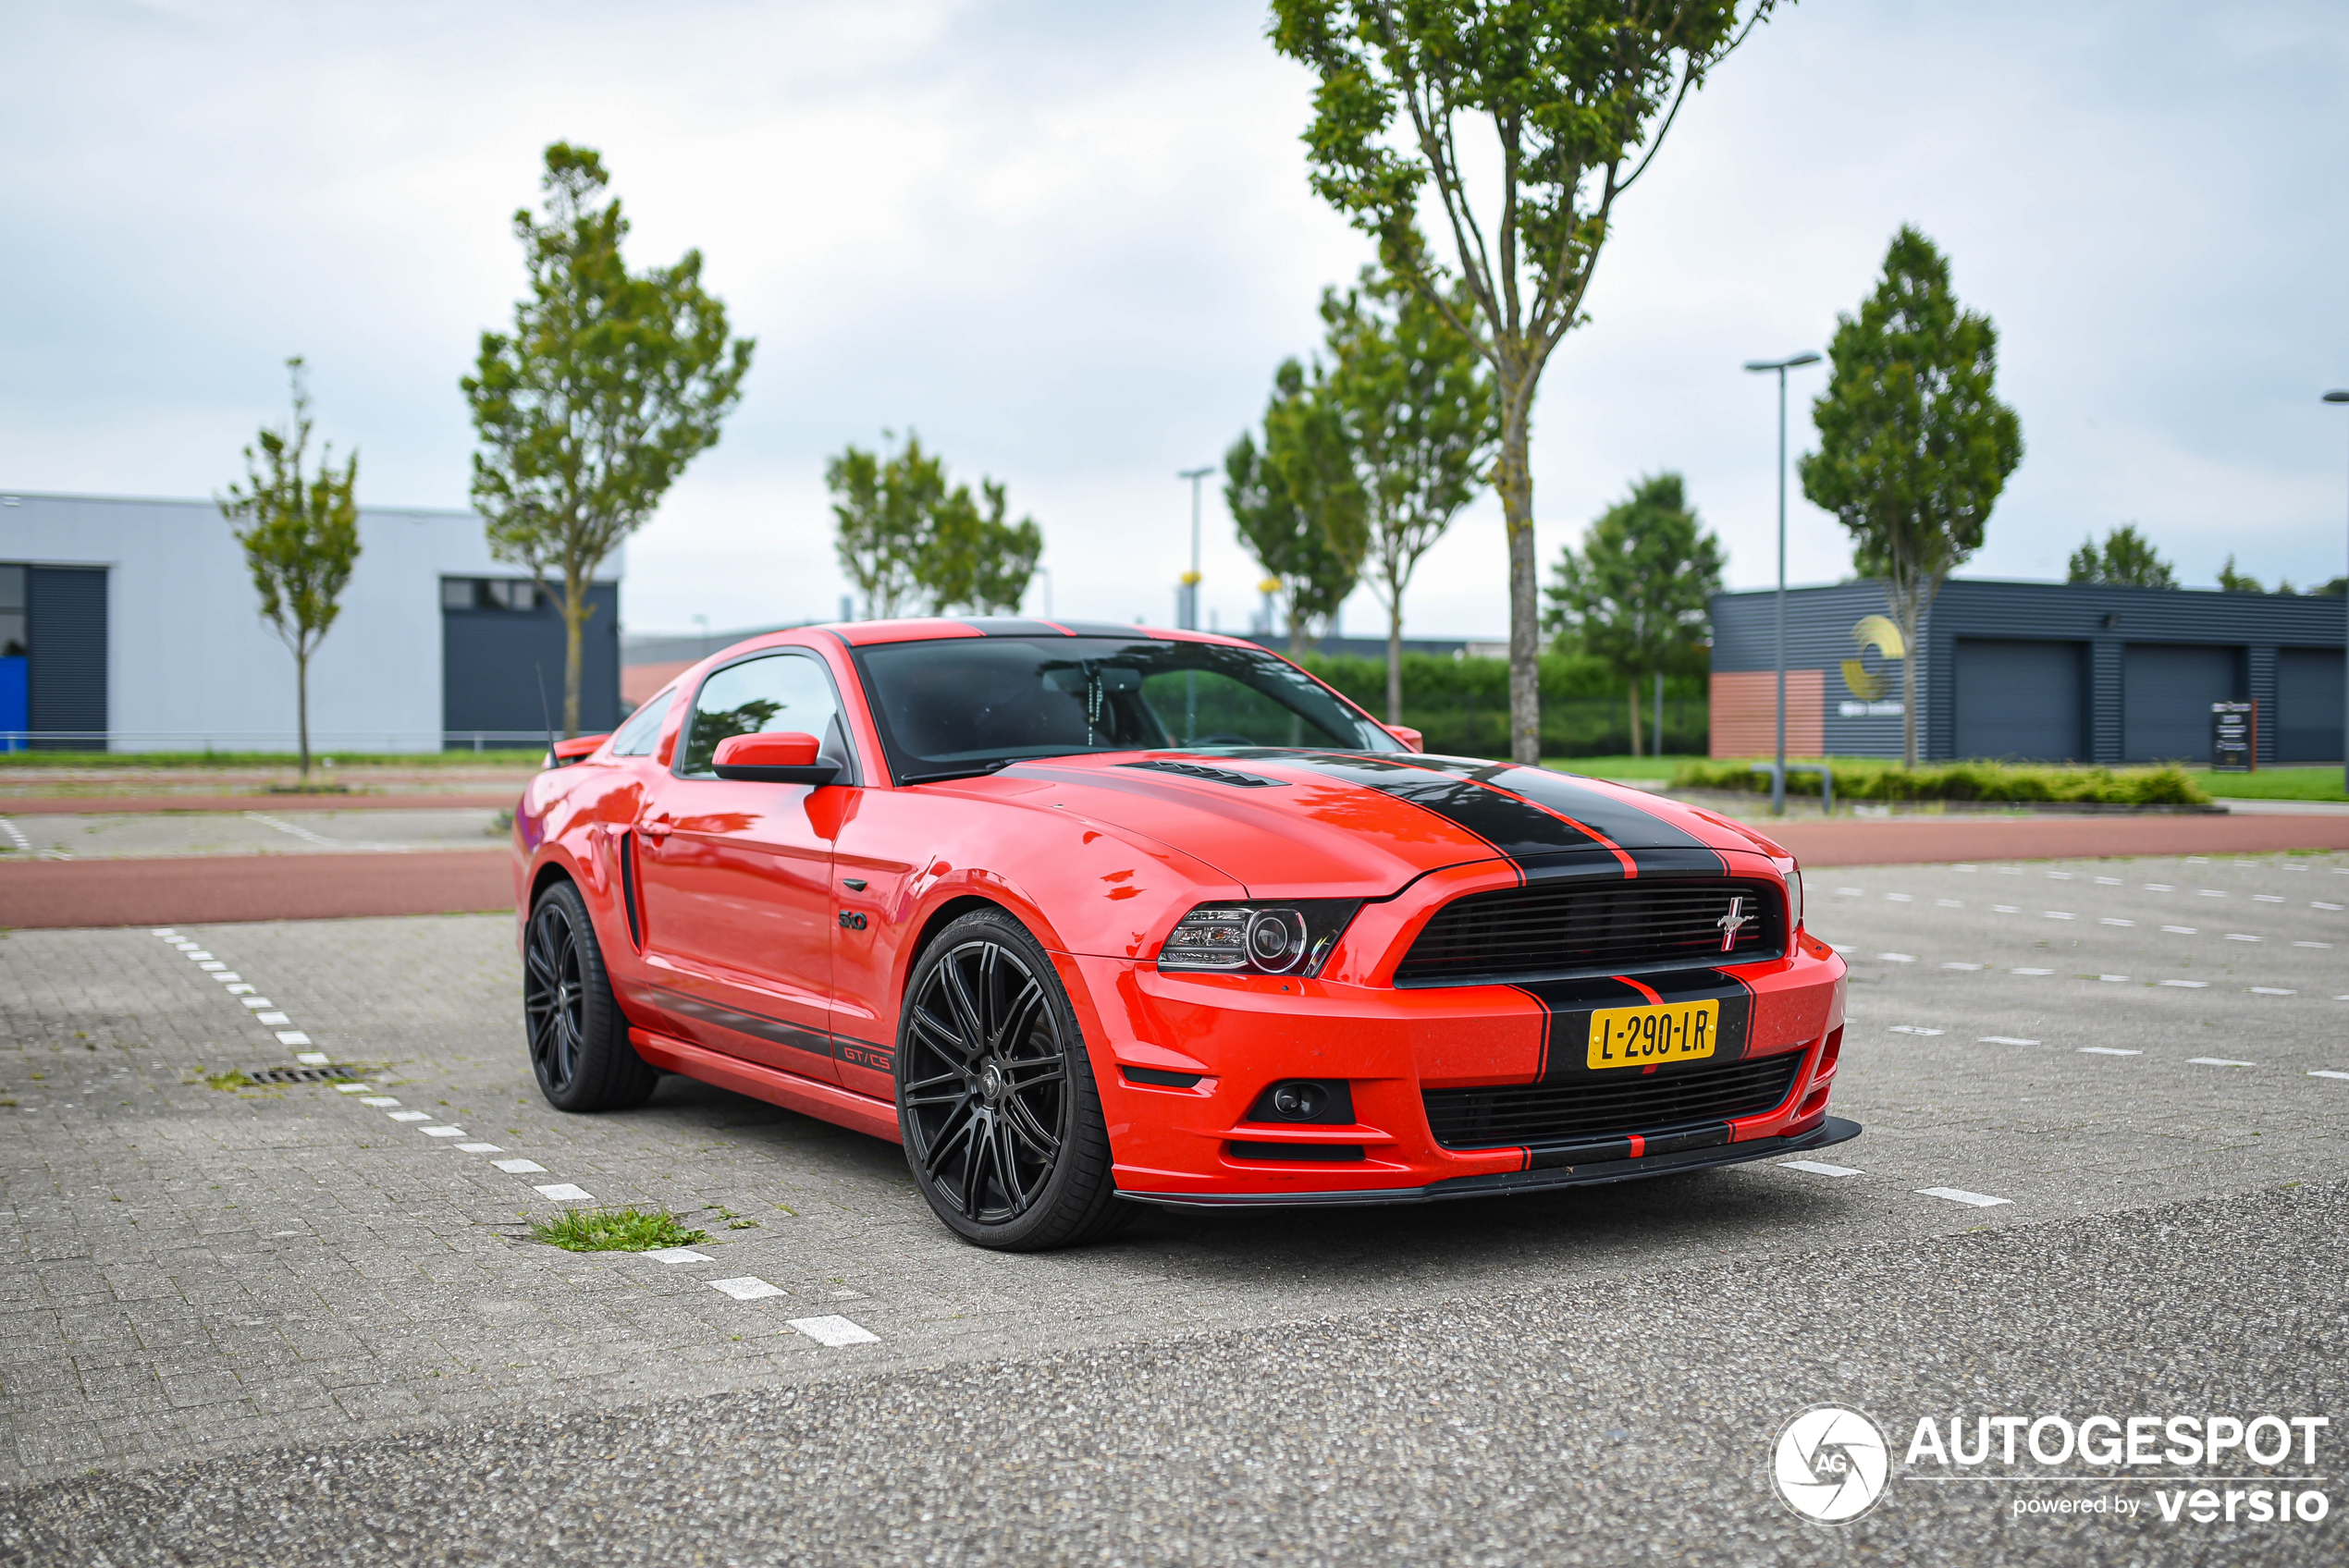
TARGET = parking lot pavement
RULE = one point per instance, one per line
(2062, 1063)
(258, 830)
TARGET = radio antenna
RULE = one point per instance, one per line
(545, 714)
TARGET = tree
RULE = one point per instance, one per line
(905, 536)
(1566, 94)
(1638, 594)
(609, 384)
(300, 540)
(2127, 560)
(2234, 582)
(1914, 443)
(1297, 503)
(1417, 409)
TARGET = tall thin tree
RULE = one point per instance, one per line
(300, 539)
(1567, 102)
(1417, 404)
(1297, 503)
(1914, 443)
(609, 384)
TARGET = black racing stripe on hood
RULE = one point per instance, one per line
(1566, 1005)
(1623, 823)
(1518, 830)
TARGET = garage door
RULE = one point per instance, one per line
(2166, 695)
(2308, 695)
(2019, 700)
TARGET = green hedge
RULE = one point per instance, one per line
(1461, 706)
(1870, 781)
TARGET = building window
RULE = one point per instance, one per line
(488, 594)
(13, 635)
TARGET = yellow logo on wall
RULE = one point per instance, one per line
(1878, 632)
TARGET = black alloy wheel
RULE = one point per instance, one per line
(579, 1046)
(995, 1098)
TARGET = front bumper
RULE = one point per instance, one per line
(1184, 1142)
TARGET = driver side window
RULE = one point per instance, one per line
(780, 692)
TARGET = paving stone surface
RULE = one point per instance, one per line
(194, 1272)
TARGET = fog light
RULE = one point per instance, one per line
(1326, 1102)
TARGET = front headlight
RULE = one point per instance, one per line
(1290, 936)
(1794, 900)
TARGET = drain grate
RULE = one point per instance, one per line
(301, 1074)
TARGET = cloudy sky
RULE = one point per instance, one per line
(1068, 243)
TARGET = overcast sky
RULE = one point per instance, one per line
(1068, 243)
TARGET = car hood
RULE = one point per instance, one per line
(1305, 823)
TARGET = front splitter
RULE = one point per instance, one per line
(1834, 1130)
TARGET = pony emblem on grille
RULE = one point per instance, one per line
(1734, 922)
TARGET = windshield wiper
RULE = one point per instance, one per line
(980, 771)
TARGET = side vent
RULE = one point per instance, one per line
(628, 890)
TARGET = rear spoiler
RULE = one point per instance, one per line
(562, 754)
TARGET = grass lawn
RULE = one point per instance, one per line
(1657, 769)
(2274, 784)
(509, 757)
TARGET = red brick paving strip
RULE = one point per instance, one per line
(107, 805)
(201, 889)
(1921, 841)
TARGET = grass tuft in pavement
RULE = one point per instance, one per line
(229, 1079)
(615, 1229)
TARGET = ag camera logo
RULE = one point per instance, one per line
(1830, 1464)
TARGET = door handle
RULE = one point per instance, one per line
(655, 827)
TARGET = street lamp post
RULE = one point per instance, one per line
(2342, 396)
(1778, 777)
(1191, 578)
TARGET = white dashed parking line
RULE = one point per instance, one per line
(1912, 1029)
(518, 1167)
(1819, 1168)
(2217, 1062)
(1959, 1195)
(409, 1115)
(2326, 1073)
(750, 1287)
(2188, 984)
(834, 1331)
(2107, 1051)
(2002, 1040)
(564, 1192)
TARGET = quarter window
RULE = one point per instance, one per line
(789, 692)
(642, 733)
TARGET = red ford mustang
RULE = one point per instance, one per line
(1081, 914)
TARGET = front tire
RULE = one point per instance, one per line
(578, 1036)
(995, 1096)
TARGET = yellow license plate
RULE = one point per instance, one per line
(1649, 1037)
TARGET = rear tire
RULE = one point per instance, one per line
(579, 1046)
(995, 1096)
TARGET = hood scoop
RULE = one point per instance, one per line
(1211, 774)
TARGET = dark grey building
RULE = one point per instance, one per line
(2036, 671)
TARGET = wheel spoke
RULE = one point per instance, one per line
(1015, 1017)
(966, 1012)
(1007, 1168)
(1032, 1071)
(959, 1075)
(937, 1034)
(950, 1136)
(1031, 1131)
(972, 1172)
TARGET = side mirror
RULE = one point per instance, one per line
(782, 757)
(1412, 740)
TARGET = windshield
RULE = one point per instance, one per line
(963, 704)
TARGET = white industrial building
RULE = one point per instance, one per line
(133, 625)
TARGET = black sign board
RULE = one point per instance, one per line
(2234, 737)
